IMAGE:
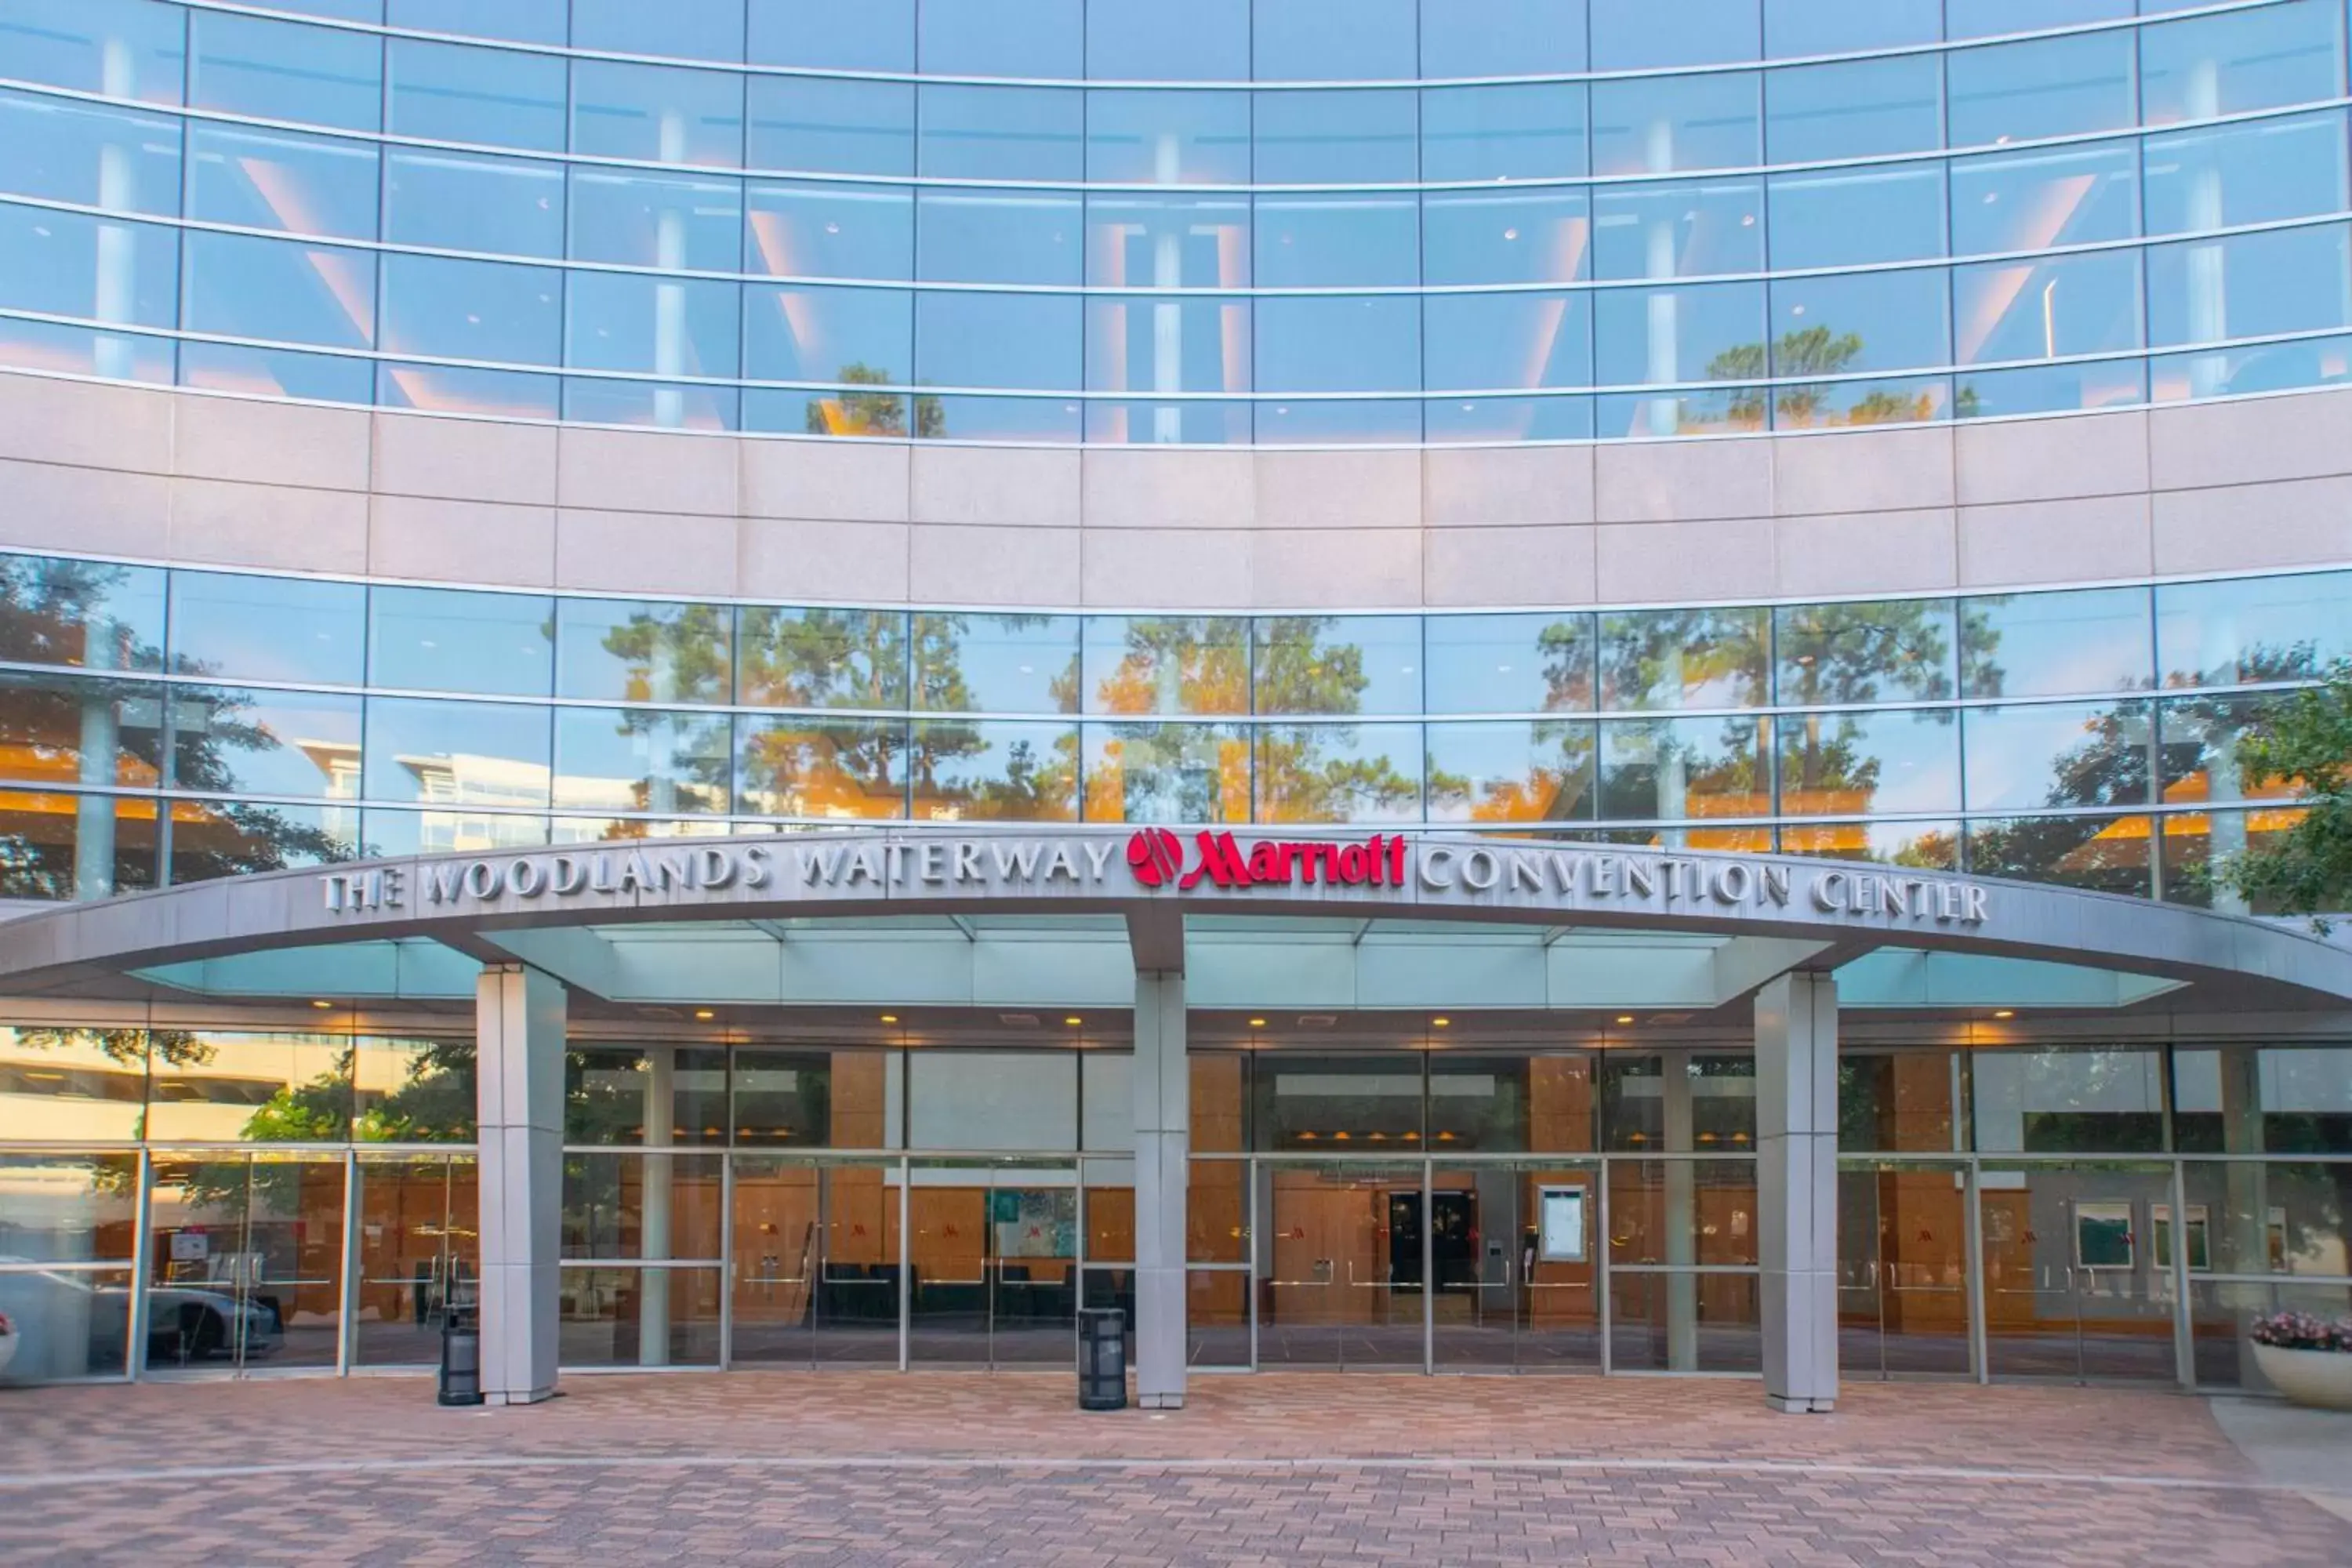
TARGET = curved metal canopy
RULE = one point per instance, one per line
(544, 905)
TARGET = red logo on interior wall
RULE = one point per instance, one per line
(1156, 855)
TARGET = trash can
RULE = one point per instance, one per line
(461, 1360)
(1102, 1358)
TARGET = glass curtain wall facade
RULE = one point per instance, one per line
(1110, 221)
(177, 1202)
(163, 726)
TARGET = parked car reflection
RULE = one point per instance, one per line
(76, 1325)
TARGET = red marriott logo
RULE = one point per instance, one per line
(1156, 855)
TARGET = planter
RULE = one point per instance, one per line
(2321, 1379)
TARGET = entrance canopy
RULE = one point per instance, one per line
(1340, 921)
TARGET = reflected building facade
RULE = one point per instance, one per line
(1896, 431)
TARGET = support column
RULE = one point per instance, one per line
(518, 1021)
(1163, 1136)
(1796, 1188)
(1681, 1182)
(653, 1225)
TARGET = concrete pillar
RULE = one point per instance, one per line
(1796, 1188)
(1681, 1180)
(519, 1020)
(1163, 1136)
(2241, 1234)
(654, 1220)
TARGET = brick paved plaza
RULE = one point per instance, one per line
(850, 1468)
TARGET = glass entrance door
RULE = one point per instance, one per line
(2073, 1287)
(1341, 1254)
(993, 1263)
(1515, 1267)
(815, 1265)
(1903, 1269)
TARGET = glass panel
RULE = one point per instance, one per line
(1220, 1104)
(1301, 1102)
(248, 1260)
(995, 664)
(848, 768)
(1628, 35)
(638, 1317)
(1684, 659)
(413, 1091)
(268, 628)
(451, 640)
(2257, 629)
(1816, 113)
(2243, 286)
(1898, 1101)
(1835, 764)
(1365, 137)
(821, 658)
(1001, 340)
(1903, 1297)
(419, 1256)
(475, 753)
(1675, 770)
(1696, 332)
(831, 231)
(2045, 196)
(641, 1205)
(1666, 125)
(497, 98)
(2071, 1285)
(1167, 772)
(284, 71)
(1546, 236)
(276, 180)
(1861, 651)
(69, 1324)
(75, 1085)
(879, 34)
(1146, 40)
(222, 1087)
(1339, 772)
(1501, 37)
(1851, 217)
(694, 29)
(51, 264)
(1337, 664)
(268, 742)
(1509, 664)
(1371, 239)
(2048, 87)
(1929, 845)
(59, 1208)
(1335, 41)
(644, 651)
(994, 771)
(1166, 664)
(641, 759)
(1341, 1265)
(1509, 772)
(978, 37)
(2049, 645)
(2261, 58)
(69, 729)
(2058, 755)
(832, 126)
(76, 846)
(1531, 133)
(67, 43)
(993, 1252)
(656, 113)
(2267, 172)
(1793, 28)
(1001, 132)
(1168, 138)
(2103, 854)
(816, 1267)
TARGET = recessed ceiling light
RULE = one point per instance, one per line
(1439, 1023)
(1624, 1017)
(1257, 1022)
(1074, 1021)
(889, 1017)
(2006, 1013)
(322, 1003)
(705, 1014)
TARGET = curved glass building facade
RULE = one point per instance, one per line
(172, 725)
(1119, 222)
(1657, 447)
